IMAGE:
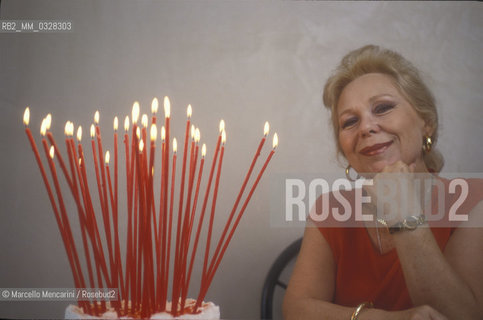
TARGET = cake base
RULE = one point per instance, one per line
(209, 311)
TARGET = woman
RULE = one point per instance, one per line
(386, 124)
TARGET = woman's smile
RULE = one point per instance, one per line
(375, 149)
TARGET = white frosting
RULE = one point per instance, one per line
(209, 311)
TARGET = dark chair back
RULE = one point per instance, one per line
(273, 277)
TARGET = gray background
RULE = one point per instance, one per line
(246, 62)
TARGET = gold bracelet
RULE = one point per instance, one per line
(359, 308)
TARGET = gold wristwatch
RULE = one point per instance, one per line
(410, 223)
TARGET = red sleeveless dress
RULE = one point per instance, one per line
(363, 274)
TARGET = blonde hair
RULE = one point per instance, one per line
(373, 59)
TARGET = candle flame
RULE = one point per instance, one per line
(275, 140)
(93, 131)
(116, 123)
(138, 133)
(48, 121)
(193, 131)
(69, 129)
(141, 146)
(222, 125)
(66, 128)
(163, 133)
(52, 152)
(135, 112)
(189, 111)
(96, 117)
(175, 145)
(167, 107)
(126, 123)
(26, 116)
(154, 105)
(154, 132)
(79, 133)
(197, 135)
(108, 157)
(203, 150)
(266, 129)
(43, 127)
(144, 120)
(223, 137)
(80, 161)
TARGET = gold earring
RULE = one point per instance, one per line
(347, 174)
(427, 144)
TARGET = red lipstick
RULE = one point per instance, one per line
(375, 149)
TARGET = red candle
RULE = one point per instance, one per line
(65, 219)
(115, 212)
(176, 275)
(105, 206)
(135, 276)
(153, 135)
(184, 236)
(150, 204)
(129, 212)
(212, 216)
(195, 244)
(115, 274)
(165, 172)
(211, 275)
(26, 121)
(142, 210)
(96, 240)
(161, 240)
(75, 170)
(90, 219)
(207, 192)
(266, 130)
(170, 223)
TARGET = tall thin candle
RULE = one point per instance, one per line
(161, 241)
(177, 274)
(115, 211)
(266, 130)
(240, 214)
(207, 192)
(129, 250)
(26, 120)
(69, 143)
(116, 272)
(105, 207)
(213, 207)
(170, 222)
(195, 244)
(65, 220)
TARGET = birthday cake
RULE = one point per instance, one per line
(208, 311)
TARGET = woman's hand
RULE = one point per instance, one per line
(418, 313)
(394, 193)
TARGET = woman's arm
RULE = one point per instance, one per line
(311, 287)
(450, 281)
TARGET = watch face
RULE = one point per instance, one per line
(411, 222)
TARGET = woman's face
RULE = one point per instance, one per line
(377, 126)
